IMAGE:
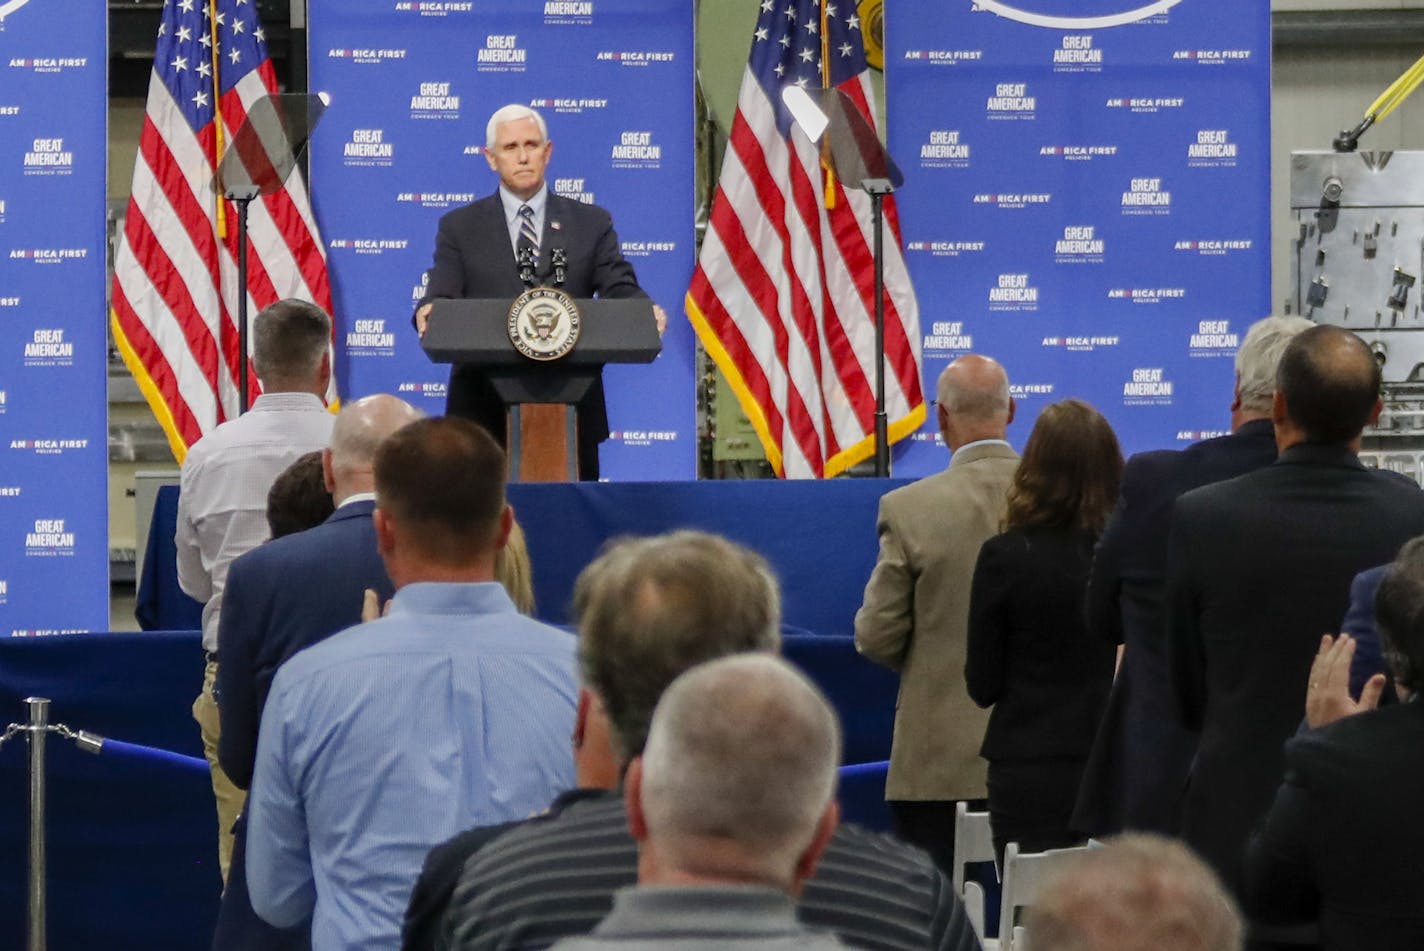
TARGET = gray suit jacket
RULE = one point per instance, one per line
(915, 615)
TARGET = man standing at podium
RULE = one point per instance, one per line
(477, 253)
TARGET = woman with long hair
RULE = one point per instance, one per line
(1030, 655)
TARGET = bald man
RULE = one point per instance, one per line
(915, 612)
(1258, 567)
(732, 804)
(285, 596)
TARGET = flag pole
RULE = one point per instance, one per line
(216, 56)
(219, 146)
(828, 169)
(882, 425)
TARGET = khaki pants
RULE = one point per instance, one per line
(229, 798)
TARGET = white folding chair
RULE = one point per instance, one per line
(1024, 876)
(973, 842)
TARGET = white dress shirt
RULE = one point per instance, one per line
(511, 202)
(222, 505)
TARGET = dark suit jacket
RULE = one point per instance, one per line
(281, 597)
(474, 258)
(1359, 623)
(1137, 771)
(1344, 836)
(1258, 568)
(1030, 656)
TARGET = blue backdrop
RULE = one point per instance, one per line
(54, 550)
(1086, 199)
(412, 85)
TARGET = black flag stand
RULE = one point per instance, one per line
(859, 159)
(257, 162)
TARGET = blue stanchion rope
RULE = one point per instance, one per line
(153, 755)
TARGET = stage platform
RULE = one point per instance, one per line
(131, 841)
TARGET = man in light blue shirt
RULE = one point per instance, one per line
(382, 741)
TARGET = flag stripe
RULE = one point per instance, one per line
(171, 289)
(175, 274)
(786, 289)
(154, 366)
(805, 176)
(791, 412)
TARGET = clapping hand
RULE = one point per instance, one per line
(1327, 695)
(371, 608)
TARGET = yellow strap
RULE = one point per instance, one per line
(1403, 94)
(1397, 90)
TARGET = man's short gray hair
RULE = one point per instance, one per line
(289, 338)
(1136, 893)
(969, 399)
(1258, 357)
(512, 113)
(363, 424)
(742, 750)
(649, 609)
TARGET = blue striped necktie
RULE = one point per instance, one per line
(527, 236)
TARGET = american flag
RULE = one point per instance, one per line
(174, 300)
(783, 296)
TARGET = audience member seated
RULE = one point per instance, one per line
(1136, 893)
(732, 804)
(451, 711)
(1030, 655)
(1343, 840)
(284, 596)
(222, 501)
(299, 498)
(648, 610)
(1258, 567)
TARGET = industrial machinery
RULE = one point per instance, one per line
(1359, 260)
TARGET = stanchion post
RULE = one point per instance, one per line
(38, 731)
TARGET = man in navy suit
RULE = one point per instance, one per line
(1137, 771)
(477, 248)
(285, 596)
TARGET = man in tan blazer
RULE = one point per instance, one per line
(916, 606)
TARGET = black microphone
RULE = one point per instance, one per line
(560, 260)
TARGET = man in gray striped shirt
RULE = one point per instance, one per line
(732, 804)
(648, 610)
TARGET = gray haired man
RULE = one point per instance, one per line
(732, 805)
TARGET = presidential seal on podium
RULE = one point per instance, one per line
(543, 323)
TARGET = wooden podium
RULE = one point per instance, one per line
(540, 395)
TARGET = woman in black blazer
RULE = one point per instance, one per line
(1030, 655)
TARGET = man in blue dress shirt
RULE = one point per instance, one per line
(454, 710)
